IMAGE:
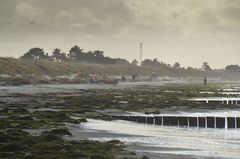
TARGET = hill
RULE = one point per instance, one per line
(25, 68)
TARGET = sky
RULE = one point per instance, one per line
(186, 31)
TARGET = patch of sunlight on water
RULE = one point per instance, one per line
(182, 141)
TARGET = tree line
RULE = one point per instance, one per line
(176, 66)
(233, 68)
(76, 54)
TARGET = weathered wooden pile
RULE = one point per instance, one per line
(185, 121)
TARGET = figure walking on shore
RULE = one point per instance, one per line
(205, 81)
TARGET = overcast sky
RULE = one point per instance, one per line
(185, 31)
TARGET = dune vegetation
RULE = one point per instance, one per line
(12, 66)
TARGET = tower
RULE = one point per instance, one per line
(141, 46)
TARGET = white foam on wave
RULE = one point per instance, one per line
(213, 113)
(197, 142)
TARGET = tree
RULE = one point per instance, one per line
(134, 62)
(56, 55)
(147, 62)
(152, 63)
(75, 53)
(155, 62)
(177, 65)
(232, 68)
(46, 57)
(35, 53)
(64, 57)
(206, 67)
(98, 54)
(120, 61)
(59, 56)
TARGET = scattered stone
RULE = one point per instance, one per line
(61, 132)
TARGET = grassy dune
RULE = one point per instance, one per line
(12, 66)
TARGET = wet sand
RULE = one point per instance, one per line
(164, 142)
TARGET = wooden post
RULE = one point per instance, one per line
(226, 123)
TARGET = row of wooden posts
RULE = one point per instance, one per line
(184, 121)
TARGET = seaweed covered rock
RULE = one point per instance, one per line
(50, 137)
(56, 116)
(82, 120)
(60, 132)
(16, 135)
(20, 110)
(3, 137)
(25, 118)
(12, 147)
(4, 110)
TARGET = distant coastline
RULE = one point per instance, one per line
(28, 71)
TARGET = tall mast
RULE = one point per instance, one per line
(141, 51)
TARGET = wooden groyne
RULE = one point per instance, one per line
(222, 100)
(185, 121)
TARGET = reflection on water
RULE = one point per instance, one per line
(164, 140)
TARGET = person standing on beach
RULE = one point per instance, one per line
(205, 81)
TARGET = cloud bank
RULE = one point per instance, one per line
(171, 30)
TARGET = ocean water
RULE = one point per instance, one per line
(157, 141)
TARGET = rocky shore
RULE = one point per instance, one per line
(33, 125)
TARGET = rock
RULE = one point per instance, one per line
(60, 132)
(3, 137)
(83, 120)
(12, 147)
(4, 110)
(50, 137)
(20, 110)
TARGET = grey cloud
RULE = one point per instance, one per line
(90, 17)
(110, 17)
(231, 11)
(7, 8)
(192, 24)
(201, 17)
(7, 11)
